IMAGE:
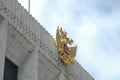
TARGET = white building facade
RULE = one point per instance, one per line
(29, 49)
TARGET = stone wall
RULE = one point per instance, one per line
(3, 40)
(48, 58)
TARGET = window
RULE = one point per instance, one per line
(10, 70)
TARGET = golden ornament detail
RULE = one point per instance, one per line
(66, 53)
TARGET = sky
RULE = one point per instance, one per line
(94, 25)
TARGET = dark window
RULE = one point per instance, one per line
(10, 70)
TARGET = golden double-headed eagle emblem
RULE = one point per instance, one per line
(66, 52)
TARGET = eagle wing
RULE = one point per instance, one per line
(73, 51)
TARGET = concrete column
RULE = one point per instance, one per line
(61, 76)
(29, 69)
(3, 40)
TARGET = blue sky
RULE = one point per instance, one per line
(94, 25)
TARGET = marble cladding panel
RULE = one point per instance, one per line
(18, 47)
(47, 71)
(3, 42)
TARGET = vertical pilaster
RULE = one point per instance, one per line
(3, 40)
(29, 69)
(61, 76)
